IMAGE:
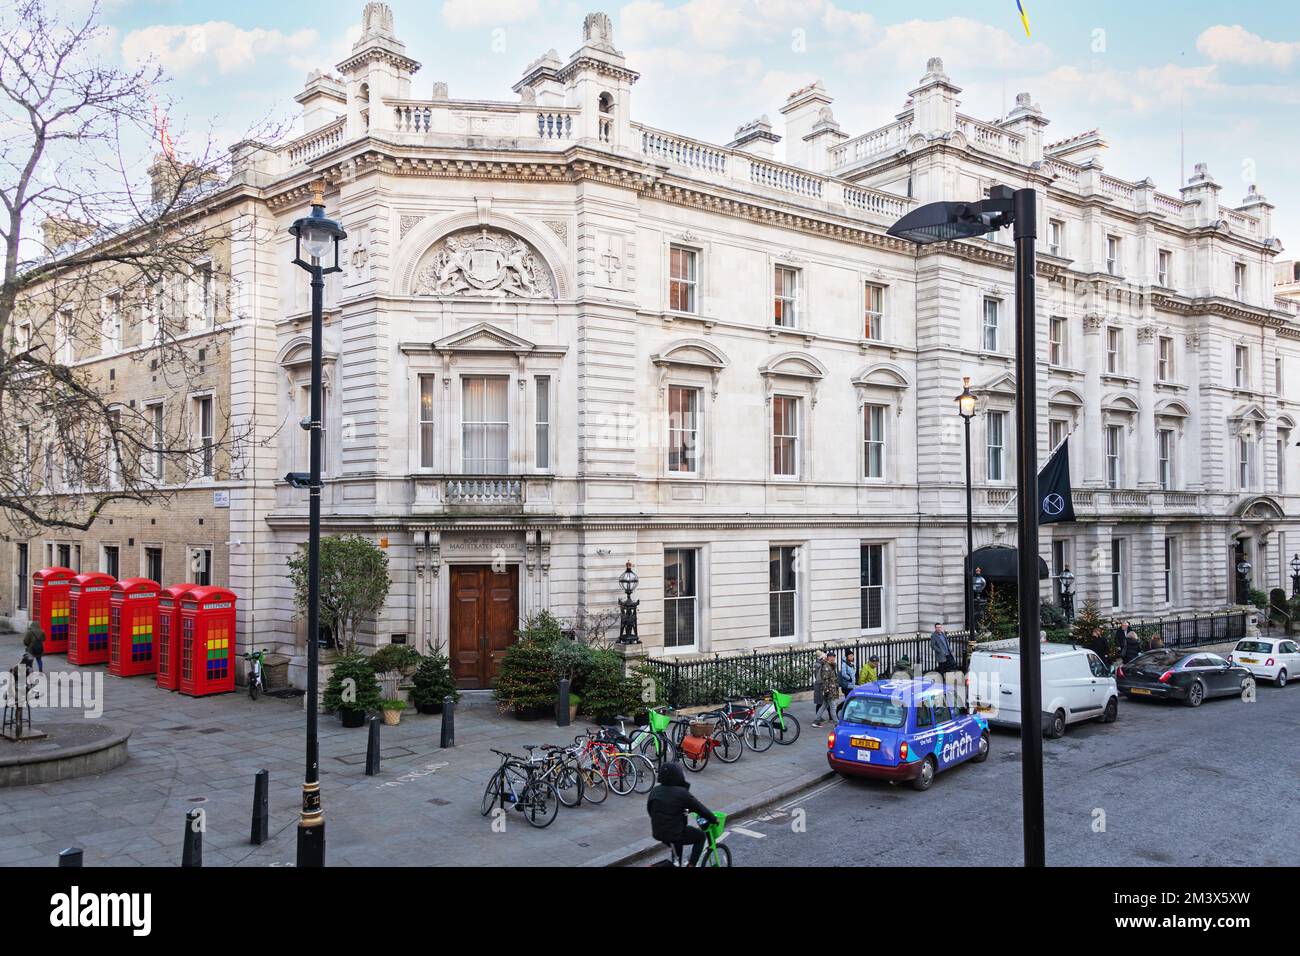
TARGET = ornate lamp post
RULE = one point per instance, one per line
(316, 249)
(627, 620)
(1243, 581)
(1067, 593)
(1295, 576)
(979, 597)
(950, 221)
(966, 409)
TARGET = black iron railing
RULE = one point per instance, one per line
(1195, 630)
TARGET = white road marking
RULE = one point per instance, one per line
(785, 807)
(749, 833)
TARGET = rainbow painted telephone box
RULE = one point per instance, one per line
(52, 606)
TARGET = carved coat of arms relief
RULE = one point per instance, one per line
(486, 263)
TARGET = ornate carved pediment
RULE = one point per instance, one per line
(484, 262)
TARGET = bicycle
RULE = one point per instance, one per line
(716, 853)
(741, 716)
(695, 756)
(516, 781)
(645, 772)
(559, 772)
(785, 727)
(256, 683)
(602, 756)
(653, 737)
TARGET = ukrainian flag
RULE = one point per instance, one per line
(1024, 17)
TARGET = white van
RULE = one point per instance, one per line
(1076, 686)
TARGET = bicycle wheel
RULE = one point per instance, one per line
(652, 746)
(594, 787)
(254, 688)
(620, 773)
(729, 747)
(696, 764)
(758, 735)
(785, 729)
(492, 795)
(541, 803)
(645, 773)
(568, 784)
(722, 856)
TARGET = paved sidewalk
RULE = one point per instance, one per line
(422, 810)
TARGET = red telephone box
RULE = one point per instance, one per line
(207, 642)
(88, 633)
(52, 606)
(133, 628)
(168, 646)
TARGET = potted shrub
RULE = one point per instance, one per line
(392, 708)
(393, 663)
(433, 683)
(352, 690)
(574, 702)
(606, 693)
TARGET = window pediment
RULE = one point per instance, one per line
(1173, 409)
(1121, 403)
(482, 339)
(794, 365)
(882, 375)
(691, 353)
(1066, 397)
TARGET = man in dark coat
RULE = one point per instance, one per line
(34, 641)
(668, 804)
(1129, 645)
(1100, 646)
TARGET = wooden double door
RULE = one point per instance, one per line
(484, 620)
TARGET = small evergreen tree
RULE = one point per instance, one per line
(352, 685)
(1088, 624)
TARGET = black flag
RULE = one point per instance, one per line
(1055, 500)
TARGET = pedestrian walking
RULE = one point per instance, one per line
(870, 670)
(34, 641)
(828, 683)
(943, 658)
(1127, 640)
(847, 672)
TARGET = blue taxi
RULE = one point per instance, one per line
(904, 730)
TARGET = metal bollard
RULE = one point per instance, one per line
(70, 857)
(562, 704)
(448, 722)
(192, 852)
(372, 749)
(260, 830)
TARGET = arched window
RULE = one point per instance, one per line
(606, 105)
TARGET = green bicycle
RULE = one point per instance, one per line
(651, 741)
(785, 727)
(716, 853)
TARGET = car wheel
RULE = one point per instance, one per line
(1196, 694)
(1280, 680)
(1056, 729)
(926, 777)
(1111, 714)
(982, 753)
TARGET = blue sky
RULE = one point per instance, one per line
(1231, 71)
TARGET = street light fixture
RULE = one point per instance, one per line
(978, 587)
(966, 409)
(1295, 576)
(315, 238)
(1243, 581)
(1067, 593)
(946, 221)
(628, 580)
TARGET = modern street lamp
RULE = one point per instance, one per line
(1067, 593)
(1243, 581)
(966, 409)
(946, 221)
(1295, 576)
(316, 249)
(627, 624)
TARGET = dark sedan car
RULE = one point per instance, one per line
(1179, 675)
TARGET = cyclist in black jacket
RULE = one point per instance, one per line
(668, 804)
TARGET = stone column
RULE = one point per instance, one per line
(1091, 424)
(1148, 479)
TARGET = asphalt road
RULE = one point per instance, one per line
(1171, 785)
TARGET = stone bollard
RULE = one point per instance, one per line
(70, 857)
(372, 748)
(260, 830)
(448, 722)
(562, 704)
(192, 851)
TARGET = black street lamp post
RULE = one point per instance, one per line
(1295, 576)
(1067, 593)
(627, 607)
(1243, 581)
(979, 598)
(966, 409)
(945, 221)
(316, 249)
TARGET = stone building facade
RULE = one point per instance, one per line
(565, 340)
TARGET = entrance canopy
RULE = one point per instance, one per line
(999, 564)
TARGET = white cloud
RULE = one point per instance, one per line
(462, 14)
(182, 48)
(1236, 44)
(963, 43)
(1141, 91)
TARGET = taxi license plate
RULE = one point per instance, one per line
(984, 710)
(865, 743)
(1141, 690)
(1249, 660)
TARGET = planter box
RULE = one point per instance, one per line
(353, 718)
(534, 713)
